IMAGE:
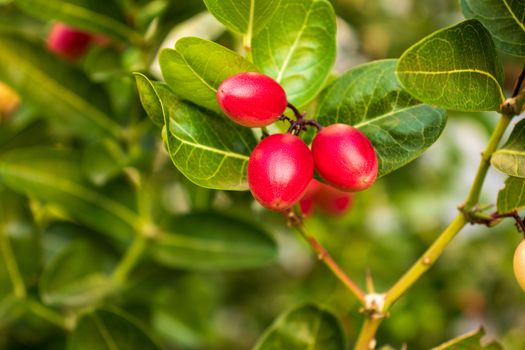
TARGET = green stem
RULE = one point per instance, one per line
(366, 340)
(325, 257)
(47, 314)
(484, 165)
(130, 260)
(11, 265)
(436, 249)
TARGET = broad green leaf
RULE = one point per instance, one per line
(297, 47)
(196, 67)
(243, 16)
(505, 20)
(60, 91)
(208, 149)
(95, 16)
(469, 341)
(110, 330)
(212, 241)
(370, 98)
(456, 68)
(78, 276)
(512, 196)
(308, 327)
(53, 176)
(510, 158)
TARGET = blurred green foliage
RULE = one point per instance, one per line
(388, 228)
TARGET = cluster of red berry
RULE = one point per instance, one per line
(281, 166)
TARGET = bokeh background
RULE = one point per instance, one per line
(387, 229)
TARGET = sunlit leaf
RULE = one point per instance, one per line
(456, 68)
(196, 67)
(207, 148)
(243, 16)
(297, 47)
(370, 98)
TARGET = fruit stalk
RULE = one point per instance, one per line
(324, 256)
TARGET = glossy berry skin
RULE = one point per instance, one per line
(68, 42)
(279, 170)
(519, 264)
(325, 197)
(252, 99)
(345, 158)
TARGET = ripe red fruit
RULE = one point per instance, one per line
(68, 42)
(519, 264)
(344, 157)
(279, 169)
(252, 99)
(329, 199)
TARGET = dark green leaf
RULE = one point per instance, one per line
(78, 276)
(196, 68)
(33, 172)
(469, 341)
(102, 161)
(512, 196)
(308, 327)
(110, 330)
(212, 241)
(297, 47)
(208, 149)
(243, 16)
(60, 91)
(94, 16)
(510, 158)
(370, 98)
(456, 67)
(505, 19)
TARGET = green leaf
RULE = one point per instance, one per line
(78, 276)
(196, 68)
(505, 19)
(469, 341)
(208, 149)
(247, 17)
(510, 158)
(33, 172)
(110, 330)
(456, 68)
(370, 98)
(94, 16)
(512, 196)
(297, 47)
(60, 91)
(211, 241)
(103, 160)
(308, 327)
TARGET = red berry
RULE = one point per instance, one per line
(252, 99)
(519, 264)
(344, 157)
(279, 169)
(329, 199)
(68, 42)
